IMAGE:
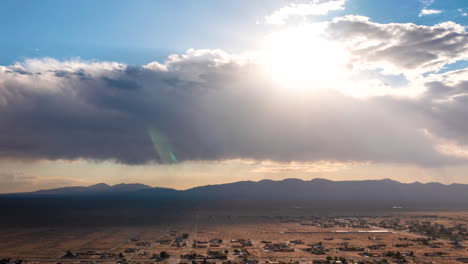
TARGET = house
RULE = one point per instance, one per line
(319, 261)
(377, 246)
(297, 242)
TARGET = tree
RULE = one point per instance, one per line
(163, 255)
(69, 254)
(398, 255)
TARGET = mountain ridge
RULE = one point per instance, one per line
(316, 189)
(95, 188)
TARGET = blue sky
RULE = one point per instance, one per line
(128, 31)
(137, 32)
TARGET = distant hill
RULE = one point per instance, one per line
(288, 189)
(138, 204)
(325, 190)
(93, 189)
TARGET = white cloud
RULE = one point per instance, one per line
(426, 12)
(463, 13)
(427, 2)
(316, 7)
(400, 48)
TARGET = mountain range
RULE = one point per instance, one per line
(96, 188)
(139, 204)
(288, 189)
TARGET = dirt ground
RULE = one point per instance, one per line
(140, 244)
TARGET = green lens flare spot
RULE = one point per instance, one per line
(173, 157)
(162, 146)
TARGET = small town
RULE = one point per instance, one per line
(411, 238)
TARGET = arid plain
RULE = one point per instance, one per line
(393, 237)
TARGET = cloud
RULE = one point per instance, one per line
(426, 12)
(16, 181)
(305, 167)
(463, 13)
(202, 105)
(400, 48)
(13, 181)
(427, 3)
(445, 101)
(212, 105)
(316, 7)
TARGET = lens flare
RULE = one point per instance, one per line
(162, 146)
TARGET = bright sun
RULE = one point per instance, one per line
(301, 58)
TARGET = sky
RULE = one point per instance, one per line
(187, 93)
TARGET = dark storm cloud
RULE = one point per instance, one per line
(203, 105)
(121, 83)
(446, 102)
